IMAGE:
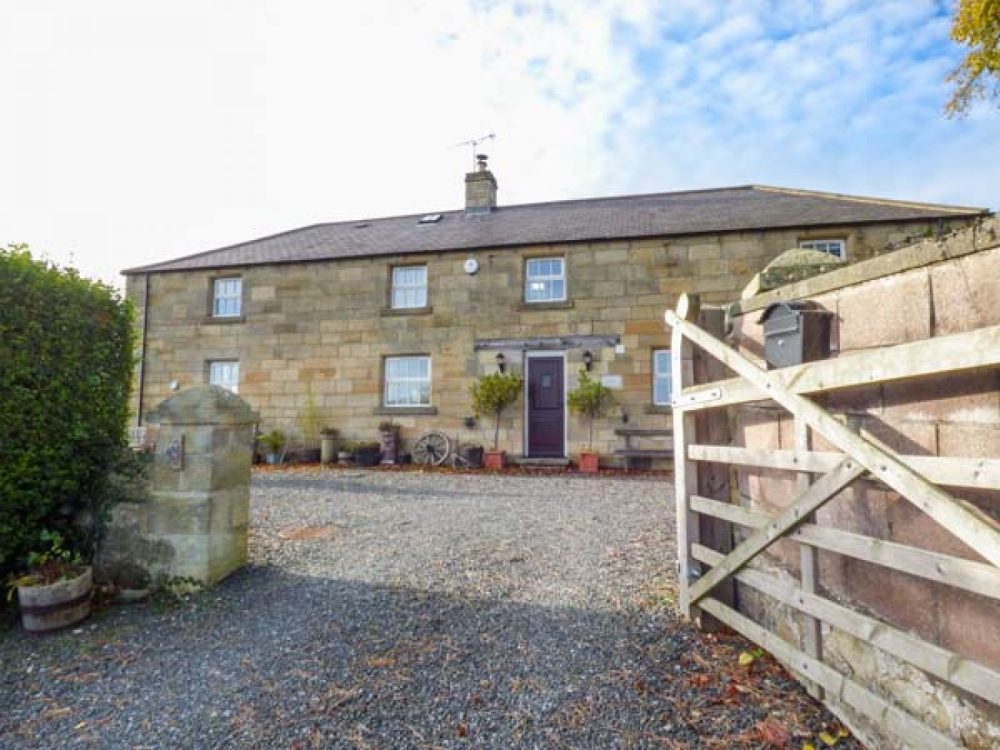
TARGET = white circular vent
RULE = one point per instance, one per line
(471, 266)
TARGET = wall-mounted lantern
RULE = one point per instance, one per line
(501, 362)
(588, 360)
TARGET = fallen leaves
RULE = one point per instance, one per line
(307, 533)
(773, 732)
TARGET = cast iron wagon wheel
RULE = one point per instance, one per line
(432, 448)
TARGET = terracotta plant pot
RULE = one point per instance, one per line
(56, 605)
(590, 462)
(495, 459)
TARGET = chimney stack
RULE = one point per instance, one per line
(480, 188)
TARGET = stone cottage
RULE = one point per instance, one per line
(361, 321)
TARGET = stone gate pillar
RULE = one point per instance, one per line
(200, 502)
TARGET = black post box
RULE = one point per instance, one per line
(795, 332)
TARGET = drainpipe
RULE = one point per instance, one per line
(142, 345)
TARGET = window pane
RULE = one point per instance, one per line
(544, 280)
(407, 381)
(662, 360)
(225, 375)
(409, 286)
(226, 298)
(661, 391)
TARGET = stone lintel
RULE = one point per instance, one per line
(554, 343)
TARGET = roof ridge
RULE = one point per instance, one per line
(870, 199)
(629, 196)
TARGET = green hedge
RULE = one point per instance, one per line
(65, 377)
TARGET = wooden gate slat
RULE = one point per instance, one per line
(894, 719)
(933, 659)
(982, 473)
(968, 575)
(818, 494)
(965, 521)
(955, 352)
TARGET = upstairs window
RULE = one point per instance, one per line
(225, 374)
(836, 248)
(409, 287)
(227, 298)
(407, 381)
(661, 377)
(545, 280)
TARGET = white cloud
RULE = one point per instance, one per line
(137, 131)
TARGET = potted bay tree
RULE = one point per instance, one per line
(589, 399)
(494, 394)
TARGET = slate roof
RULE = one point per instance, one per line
(746, 207)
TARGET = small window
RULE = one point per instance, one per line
(407, 381)
(836, 248)
(225, 374)
(661, 377)
(227, 298)
(545, 280)
(409, 287)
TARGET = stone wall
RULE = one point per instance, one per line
(957, 415)
(324, 328)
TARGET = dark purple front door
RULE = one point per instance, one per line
(546, 407)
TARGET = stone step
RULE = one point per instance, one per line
(538, 463)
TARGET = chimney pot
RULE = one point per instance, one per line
(480, 188)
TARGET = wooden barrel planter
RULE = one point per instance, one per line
(56, 605)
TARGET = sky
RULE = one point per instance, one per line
(132, 132)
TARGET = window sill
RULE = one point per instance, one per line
(221, 321)
(394, 312)
(657, 409)
(405, 411)
(566, 304)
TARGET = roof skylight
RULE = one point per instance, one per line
(430, 219)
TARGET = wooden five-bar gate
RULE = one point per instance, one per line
(707, 568)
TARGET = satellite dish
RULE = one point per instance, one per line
(471, 266)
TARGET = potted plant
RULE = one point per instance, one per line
(589, 399)
(345, 456)
(493, 394)
(473, 455)
(310, 423)
(389, 432)
(56, 591)
(273, 443)
(328, 445)
(367, 453)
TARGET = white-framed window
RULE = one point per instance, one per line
(661, 377)
(545, 280)
(407, 381)
(225, 374)
(409, 287)
(227, 297)
(836, 248)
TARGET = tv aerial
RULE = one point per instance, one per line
(473, 143)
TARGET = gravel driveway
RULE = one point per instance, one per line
(409, 610)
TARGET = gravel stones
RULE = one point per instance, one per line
(411, 610)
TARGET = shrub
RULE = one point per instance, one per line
(310, 420)
(65, 376)
(273, 441)
(492, 394)
(590, 399)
